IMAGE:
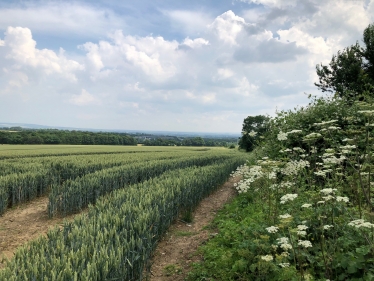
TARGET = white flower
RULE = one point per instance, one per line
(287, 197)
(340, 198)
(285, 254)
(282, 136)
(294, 132)
(313, 136)
(285, 216)
(272, 229)
(327, 191)
(327, 227)
(306, 205)
(361, 223)
(284, 264)
(328, 197)
(267, 258)
(302, 227)
(252, 133)
(320, 202)
(305, 243)
(301, 233)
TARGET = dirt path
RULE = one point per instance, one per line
(176, 252)
(24, 223)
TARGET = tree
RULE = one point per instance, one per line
(350, 74)
(254, 127)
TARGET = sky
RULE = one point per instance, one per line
(171, 65)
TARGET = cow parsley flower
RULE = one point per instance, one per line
(361, 223)
(267, 258)
(288, 197)
(272, 229)
(327, 227)
(305, 243)
(306, 205)
(282, 136)
(285, 216)
(327, 191)
(342, 199)
(284, 264)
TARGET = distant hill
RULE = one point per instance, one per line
(131, 132)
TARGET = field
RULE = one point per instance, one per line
(128, 195)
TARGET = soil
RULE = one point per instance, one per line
(174, 254)
(23, 223)
(177, 250)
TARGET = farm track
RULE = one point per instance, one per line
(23, 223)
(177, 250)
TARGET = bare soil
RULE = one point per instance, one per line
(23, 223)
(177, 250)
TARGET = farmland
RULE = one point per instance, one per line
(130, 196)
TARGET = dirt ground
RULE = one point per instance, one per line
(177, 250)
(24, 223)
(173, 256)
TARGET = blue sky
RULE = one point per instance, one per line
(198, 66)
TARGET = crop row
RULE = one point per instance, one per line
(115, 239)
(39, 176)
(74, 195)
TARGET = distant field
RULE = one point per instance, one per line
(14, 151)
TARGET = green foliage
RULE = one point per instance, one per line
(351, 72)
(305, 209)
(254, 127)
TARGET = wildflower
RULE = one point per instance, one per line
(333, 128)
(306, 205)
(272, 229)
(361, 223)
(298, 149)
(313, 136)
(301, 233)
(252, 133)
(302, 227)
(327, 191)
(288, 197)
(320, 173)
(282, 136)
(305, 243)
(327, 227)
(294, 132)
(340, 198)
(320, 202)
(285, 254)
(285, 216)
(328, 197)
(267, 258)
(284, 264)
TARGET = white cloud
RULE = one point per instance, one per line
(227, 26)
(85, 98)
(61, 18)
(273, 3)
(21, 49)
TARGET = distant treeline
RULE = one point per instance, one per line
(196, 141)
(18, 135)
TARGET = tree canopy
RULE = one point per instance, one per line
(253, 128)
(350, 73)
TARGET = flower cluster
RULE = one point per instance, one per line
(287, 197)
(284, 243)
(305, 243)
(267, 258)
(293, 167)
(272, 229)
(361, 223)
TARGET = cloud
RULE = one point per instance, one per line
(270, 51)
(61, 18)
(20, 49)
(85, 98)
